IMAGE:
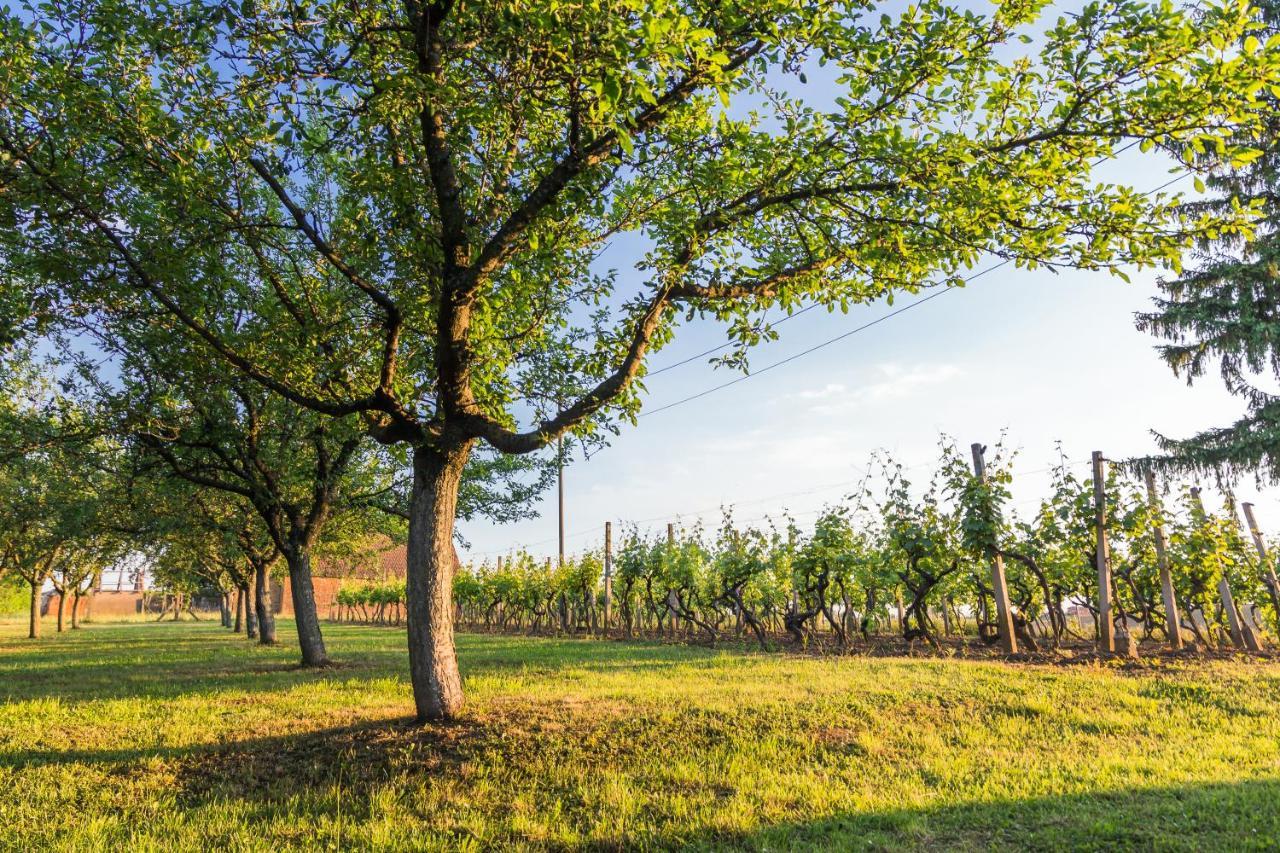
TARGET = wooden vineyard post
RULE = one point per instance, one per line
(1102, 557)
(1234, 623)
(608, 574)
(1224, 589)
(1173, 624)
(671, 593)
(1248, 633)
(1268, 570)
(1004, 612)
(499, 607)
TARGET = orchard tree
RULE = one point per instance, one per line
(404, 212)
(55, 485)
(297, 470)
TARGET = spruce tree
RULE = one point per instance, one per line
(1225, 312)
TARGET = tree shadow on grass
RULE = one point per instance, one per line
(268, 775)
(124, 661)
(319, 776)
(1203, 816)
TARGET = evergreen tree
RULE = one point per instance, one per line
(1226, 311)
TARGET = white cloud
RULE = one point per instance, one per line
(883, 382)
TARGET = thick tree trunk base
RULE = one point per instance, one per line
(310, 639)
(432, 563)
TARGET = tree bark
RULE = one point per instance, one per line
(310, 640)
(62, 610)
(239, 626)
(262, 603)
(33, 632)
(432, 563)
(250, 618)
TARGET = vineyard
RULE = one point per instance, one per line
(895, 562)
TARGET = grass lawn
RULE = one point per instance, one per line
(147, 736)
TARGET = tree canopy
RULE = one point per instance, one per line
(1225, 312)
(410, 213)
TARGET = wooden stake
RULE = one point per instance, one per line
(1252, 641)
(1224, 588)
(1173, 625)
(1004, 611)
(1268, 569)
(1234, 623)
(1102, 557)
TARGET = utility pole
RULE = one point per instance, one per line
(608, 574)
(560, 483)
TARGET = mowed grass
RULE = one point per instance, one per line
(182, 736)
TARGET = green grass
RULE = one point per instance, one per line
(181, 736)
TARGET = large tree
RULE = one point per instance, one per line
(410, 212)
(297, 470)
(56, 488)
(1225, 312)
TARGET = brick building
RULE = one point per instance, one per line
(330, 574)
(380, 563)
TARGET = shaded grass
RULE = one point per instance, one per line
(182, 736)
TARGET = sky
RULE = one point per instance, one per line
(1040, 357)
(1037, 357)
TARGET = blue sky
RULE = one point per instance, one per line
(1044, 357)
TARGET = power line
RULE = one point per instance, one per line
(726, 344)
(817, 347)
(847, 334)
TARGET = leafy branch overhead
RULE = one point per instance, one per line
(398, 211)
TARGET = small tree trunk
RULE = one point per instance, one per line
(239, 626)
(262, 604)
(310, 640)
(62, 610)
(431, 565)
(33, 632)
(250, 620)
(75, 610)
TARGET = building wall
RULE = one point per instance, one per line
(326, 593)
(104, 604)
(327, 579)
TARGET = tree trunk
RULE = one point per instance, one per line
(250, 619)
(75, 611)
(33, 632)
(262, 603)
(62, 610)
(239, 626)
(432, 562)
(310, 640)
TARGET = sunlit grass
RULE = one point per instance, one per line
(183, 736)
